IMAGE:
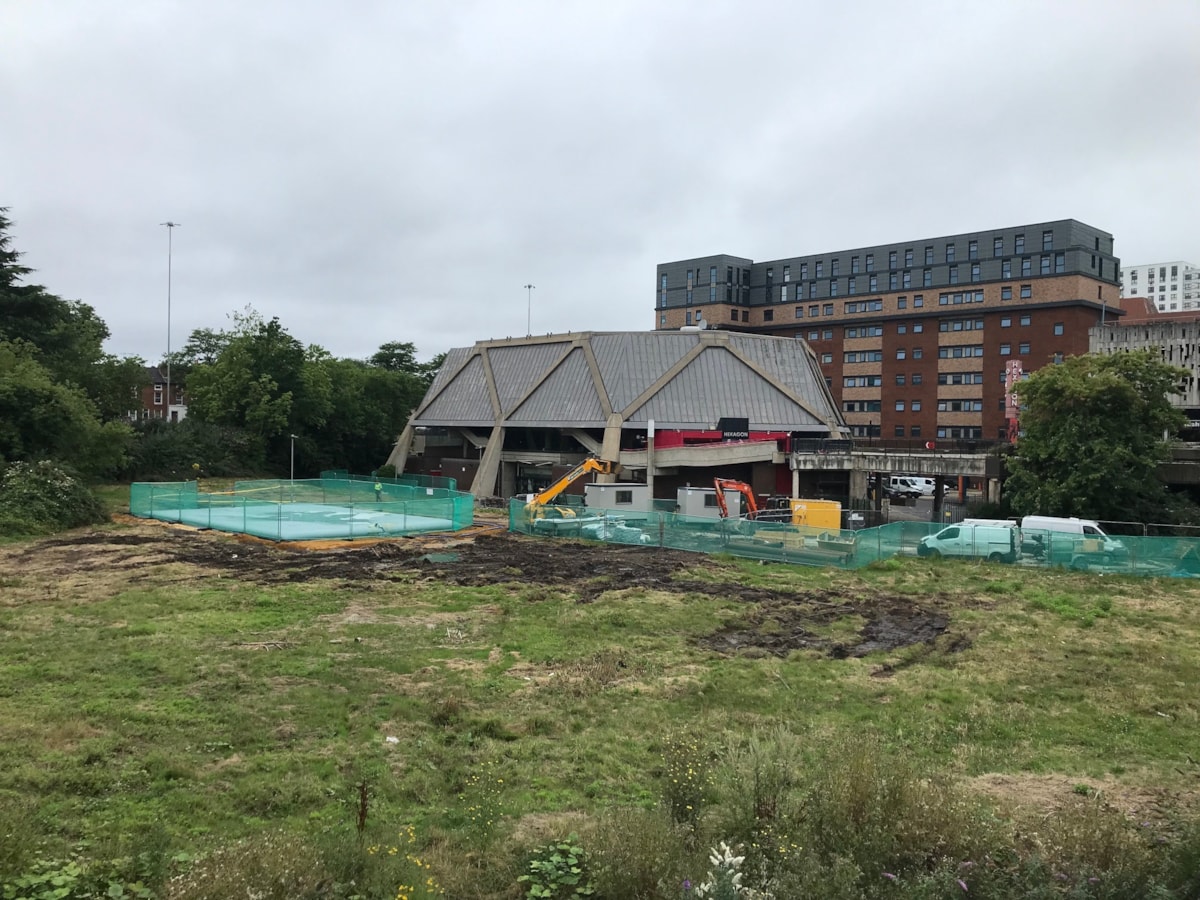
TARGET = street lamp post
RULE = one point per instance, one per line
(293, 456)
(529, 309)
(170, 226)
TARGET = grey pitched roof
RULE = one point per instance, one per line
(549, 382)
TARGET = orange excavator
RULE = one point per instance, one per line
(727, 484)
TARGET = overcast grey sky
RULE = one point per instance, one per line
(376, 171)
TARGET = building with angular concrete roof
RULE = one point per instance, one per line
(547, 402)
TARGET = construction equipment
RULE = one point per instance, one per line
(728, 484)
(541, 507)
(789, 510)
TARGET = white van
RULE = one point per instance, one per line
(996, 540)
(925, 485)
(1074, 541)
(903, 486)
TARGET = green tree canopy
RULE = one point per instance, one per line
(1092, 436)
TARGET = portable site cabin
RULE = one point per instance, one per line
(633, 496)
(697, 501)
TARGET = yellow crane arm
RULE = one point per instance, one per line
(601, 466)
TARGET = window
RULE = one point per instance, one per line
(961, 378)
(929, 255)
(916, 379)
(851, 285)
(893, 281)
(918, 301)
(853, 381)
(918, 327)
(826, 358)
(954, 274)
(1058, 328)
(783, 293)
(900, 380)
(862, 331)
(861, 406)
(902, 354)
(1006, 292)
(949, 253)
(689, 277)
(915, 431)
(906, 281)
(710, 499)
(712, 293)
(918, 353)
(662, 320)
(975, 271)
(814, 310)
(689, 317)
(768, 315)
(998, 246)
(835, 267)
(1045, 265)
(960, 406)
(1006, 322)
(899, 431)
(973, 250)
(892, 259)
(1026, 266)
(787, 273)
(814, 335)
(827, 309)
(1006, 269)
(799, 312)
(820, 268)
(899, 406)
(854, 265)
(804, 271)
(733, 314)
(1023, 348)
(1006, 349)
(927, 278)
(1019, 244)
(1026, 321)
(1047, 240)
(1026, 291)
(915, 406)
(833, 287)
(963, 351)
(1058, 358)
(862, 356)
(870, 261)
(712, 275)
(908, 258)
(901, 329)
(623, 496)
(1060, 263)
(770, 276)
(873, 283)
(901, 303)
(812, 290)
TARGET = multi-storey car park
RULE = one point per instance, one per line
(914, 337)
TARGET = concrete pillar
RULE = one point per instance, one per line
(650, 459)
(399, 455)
(611, 448)
(939, 492)
(508, 479)
(484, 484)
(858, 484)
(795, 484)
(993, 490)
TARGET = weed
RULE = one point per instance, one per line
(687, 779)
(558, 871)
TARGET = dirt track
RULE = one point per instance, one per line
(775, 622)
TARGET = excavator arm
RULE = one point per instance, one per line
(725, 484)
(542, 500)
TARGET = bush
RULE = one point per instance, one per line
(42, 497)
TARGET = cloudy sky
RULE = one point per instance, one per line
(376, 171)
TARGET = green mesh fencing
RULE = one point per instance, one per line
(309, 509)
(1177, 557)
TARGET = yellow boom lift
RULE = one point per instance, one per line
(540, 506)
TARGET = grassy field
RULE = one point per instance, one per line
(174, 703)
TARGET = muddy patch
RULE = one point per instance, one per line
(779, 626)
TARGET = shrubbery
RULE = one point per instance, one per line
(43, 497)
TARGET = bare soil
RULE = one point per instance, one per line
(106, 561)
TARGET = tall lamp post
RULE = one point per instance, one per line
(170, 226)
(529, 309)
(293, 469)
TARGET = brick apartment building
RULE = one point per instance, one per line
(154, 403)
(913, 337)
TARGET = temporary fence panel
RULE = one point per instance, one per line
(308, 509)
(1172, 556)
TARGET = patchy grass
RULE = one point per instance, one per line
(144, 689)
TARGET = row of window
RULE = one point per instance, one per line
(896, 281)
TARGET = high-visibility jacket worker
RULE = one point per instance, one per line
(378, 490)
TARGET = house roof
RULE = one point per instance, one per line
(681, 379)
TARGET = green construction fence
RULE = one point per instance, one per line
(339, 508)
(845, 549)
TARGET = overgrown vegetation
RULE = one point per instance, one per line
(41, 498)
(187, 734)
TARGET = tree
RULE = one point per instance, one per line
(401, 356)
(1092, 437)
